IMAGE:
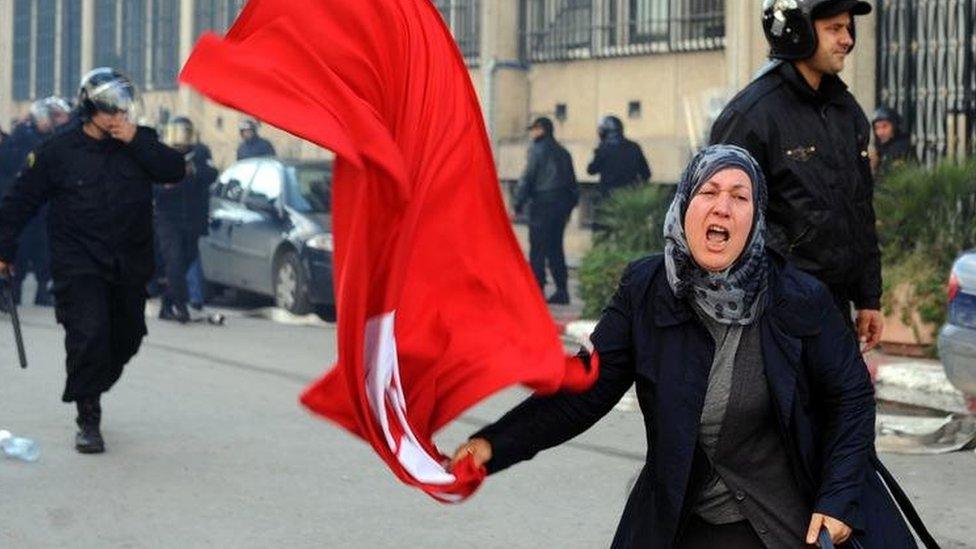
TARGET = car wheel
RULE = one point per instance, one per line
(290, 287)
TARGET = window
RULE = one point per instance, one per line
(44, 56)
(231, 184)
(309, 189)
(22, 50)
(133, 52)
(106, 34)
(464, 19)
(558, 29)
(165, 43)
(266, 184)
(554, 30)
(215, 15)
(70, 46)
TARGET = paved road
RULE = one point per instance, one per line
(209, 448)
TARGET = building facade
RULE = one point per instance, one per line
(663, 66)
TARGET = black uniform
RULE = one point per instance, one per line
(254, 147)
(181, 219)
(33, 254)
(549, 184)
(620, 163)
(896, 152)
(100, 226)
(812, 146)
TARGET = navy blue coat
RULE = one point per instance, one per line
(821, 392)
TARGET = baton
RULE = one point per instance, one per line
(8, 297)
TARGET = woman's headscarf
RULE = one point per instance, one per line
(736, 295)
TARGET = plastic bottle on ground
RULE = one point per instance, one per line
(20, 448)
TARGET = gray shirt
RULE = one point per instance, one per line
(716, 504)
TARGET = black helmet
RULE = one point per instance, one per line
(247, 124)
(544, 123)
(788, 24)
(609, 125)
(885, 113)
(107, 90)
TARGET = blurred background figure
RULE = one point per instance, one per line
(47, 117)
(181, 212)
(619, 161)
(892, 146)
(549, 187)
(252, 144)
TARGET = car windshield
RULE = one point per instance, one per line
(309, 188)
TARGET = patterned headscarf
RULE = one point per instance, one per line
(735, 296)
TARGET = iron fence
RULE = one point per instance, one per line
(926, 72)
(557, 30)
(464, 19)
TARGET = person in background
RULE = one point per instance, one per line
(549, 187)
(810, 136)
(181, 216)
(252, 145)
(619, 161)
(892, 146)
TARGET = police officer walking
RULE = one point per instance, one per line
(181, 217)
(252, 145)
(619, 161)
(811, 138)
(97, 177)
(549, 187)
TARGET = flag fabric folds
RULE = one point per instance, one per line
(437, 308)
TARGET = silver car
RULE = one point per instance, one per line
(957, 339)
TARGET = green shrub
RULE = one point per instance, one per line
(926, 218)
(630, 222)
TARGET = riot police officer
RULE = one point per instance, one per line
(892, 146)
(48, 116)
(619, 161)
(811, 138)
(97, 177)
(252, 145)
(181, 216)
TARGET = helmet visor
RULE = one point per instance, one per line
(116, 96)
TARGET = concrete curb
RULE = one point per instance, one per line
(915, 383)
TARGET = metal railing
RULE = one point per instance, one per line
(927, 72)
(557, 30)
(464, 19)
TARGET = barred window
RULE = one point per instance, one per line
(70, 46)
(44, 55)
(215, 15)
(22, 46)
(464, 19)
(165, 43)
(574, 29)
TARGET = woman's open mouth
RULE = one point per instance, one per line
(717, 234)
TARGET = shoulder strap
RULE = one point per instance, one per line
(904, 503)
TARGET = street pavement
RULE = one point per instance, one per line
(208, 447)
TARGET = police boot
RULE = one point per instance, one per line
(89, 438)
(166, 310)
(561, 297)
(180, 313)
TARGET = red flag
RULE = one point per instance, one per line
(437, 308)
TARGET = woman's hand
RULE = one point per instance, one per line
(839, 532)
(478, 448)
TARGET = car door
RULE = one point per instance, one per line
(256, 238)
(226, 212)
